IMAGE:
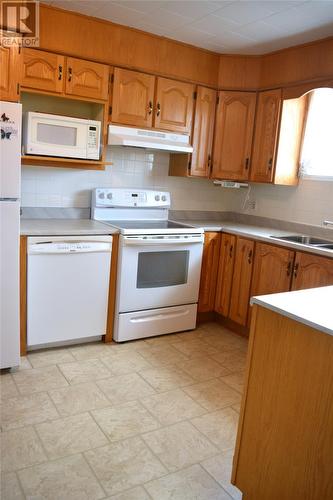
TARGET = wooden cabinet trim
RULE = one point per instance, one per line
(209, 269)
(112, 289)
(23, 295)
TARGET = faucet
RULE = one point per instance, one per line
(328, 223)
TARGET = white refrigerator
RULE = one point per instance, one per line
(10, 186)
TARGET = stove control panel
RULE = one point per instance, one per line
(127, 198)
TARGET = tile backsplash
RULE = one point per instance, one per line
(132, 167)
(311, 202)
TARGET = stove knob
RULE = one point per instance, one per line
(101, 196)
(157, 197)
(109, 196)
(164, 198)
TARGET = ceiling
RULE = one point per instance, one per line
(237, 26)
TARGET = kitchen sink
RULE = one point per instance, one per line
(306, 240)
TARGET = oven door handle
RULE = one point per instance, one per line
(161, 241)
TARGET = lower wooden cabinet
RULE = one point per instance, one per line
(225, 274)
(209, 268)
(240, 292)
(311, 271)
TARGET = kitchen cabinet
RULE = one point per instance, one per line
(225, 274)
(10, 73)
(240, 292)
(233, 135)
(285, 440)
(51, 72)
(266, 135)
(209, 267)
(272, 270)
(132, 98)
(174, 105)
(198, 164)
(311, 271)
(86, 79)
(43, 70)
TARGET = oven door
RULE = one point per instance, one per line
(158, 271)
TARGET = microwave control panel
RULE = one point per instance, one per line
(93, 141)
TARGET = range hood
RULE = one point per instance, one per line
(149, 139)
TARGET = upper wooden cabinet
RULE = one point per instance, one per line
(225, 274)
(174, 105)
(55, 73)
(233, 135)
(43, 70)
(210, 263)
(10, 73)
(198, 164)
(203, 130)
(86, 79)
(266, 135)
(132, 98)
(240, 293)
(311, 271)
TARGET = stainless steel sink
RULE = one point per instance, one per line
(306, 240)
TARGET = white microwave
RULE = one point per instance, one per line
(62, 136)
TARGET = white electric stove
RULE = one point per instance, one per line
(159, 263)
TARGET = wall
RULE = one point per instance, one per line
(56, 187)
(310, 202)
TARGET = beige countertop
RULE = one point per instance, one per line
(313, 306)
(64, 227)
(257, 233)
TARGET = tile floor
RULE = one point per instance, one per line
(151, 419)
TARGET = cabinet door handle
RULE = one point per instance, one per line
(60, 72)
(69, 74)
(270, 163)
(289, 267)
(249, 257)
(209, 162)
(296, 266)
(150, 107)
(230, 251)
(247, 162)
(158, 112)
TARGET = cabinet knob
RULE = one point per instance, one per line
(150, 107)
(158, 112)
(60, 72)
(69, 74)
(249, 257)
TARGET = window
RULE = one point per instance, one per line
(317, 151)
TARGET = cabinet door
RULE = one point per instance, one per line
(265, 136)
(202, 137)
(225, 273)
(10, 75)
(233, 135)
(132, 98)
(174, 105)
(210, 262)
(86, 78)
(311, 271)
(43, 70)
(240, 294)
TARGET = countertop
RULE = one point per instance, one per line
(64, 227)
(257, 233)
(313, 306)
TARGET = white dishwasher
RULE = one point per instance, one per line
(67, 289)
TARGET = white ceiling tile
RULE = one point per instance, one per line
(167, 19)
(194, 10)
(141, 6)
(242, 12)
(87, 7)
(213, 24)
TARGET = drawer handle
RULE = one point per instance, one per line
(60, 72)
(230, 251)
(69, 74)
(270, 163)
(249, 257)
(158, 112)
(150, 107)
(290, 264)
(296, 269)
(247, 162)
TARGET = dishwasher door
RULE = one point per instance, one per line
(67, 288)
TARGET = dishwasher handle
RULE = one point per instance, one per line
(65, 247)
